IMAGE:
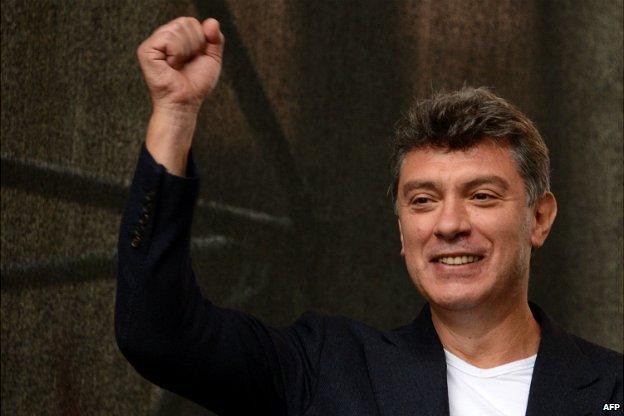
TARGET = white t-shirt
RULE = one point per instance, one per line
(498, 391)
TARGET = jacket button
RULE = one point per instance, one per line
(135, 242)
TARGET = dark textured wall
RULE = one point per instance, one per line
(293, 150)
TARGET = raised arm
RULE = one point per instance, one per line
(181, 63)
(223, 359)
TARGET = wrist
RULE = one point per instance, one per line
(169, 138)
(174, 117)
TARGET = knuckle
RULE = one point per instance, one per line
(194, 22)
(176, 25)
(140, 50)
(158, 29)
(182, 22)
(168, 35)
(177, 20)
(172, 40)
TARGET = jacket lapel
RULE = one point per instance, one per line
(562, 377)
(408, 370)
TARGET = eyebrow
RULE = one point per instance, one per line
(488, 179)
(431, 185)
(436, 185)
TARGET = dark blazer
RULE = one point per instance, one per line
(234, 364)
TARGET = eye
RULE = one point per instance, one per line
(483, 197)
(420, 200)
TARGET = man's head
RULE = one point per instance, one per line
(461, 119)
(471, 186)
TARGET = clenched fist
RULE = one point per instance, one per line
(181, 62)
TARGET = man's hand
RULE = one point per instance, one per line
(181, 63)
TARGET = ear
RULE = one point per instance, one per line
(544, 213)
(401, 234)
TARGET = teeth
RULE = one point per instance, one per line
(458, 260)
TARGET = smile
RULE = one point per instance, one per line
(459, 260)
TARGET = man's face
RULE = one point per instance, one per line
(466, 228)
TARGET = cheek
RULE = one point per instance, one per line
(415, 237)
(413, 232)
(509, 232)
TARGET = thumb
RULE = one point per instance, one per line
(214, 37)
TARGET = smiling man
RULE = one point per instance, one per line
(471, 193)
(473, 201)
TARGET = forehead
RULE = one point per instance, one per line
(443, 165)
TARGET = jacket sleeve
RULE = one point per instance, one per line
(223, 359)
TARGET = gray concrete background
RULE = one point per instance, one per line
(293, 150)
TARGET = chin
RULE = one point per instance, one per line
(455, 304)
(456, 298)
(455, 294)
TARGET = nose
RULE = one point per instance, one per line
(453, 221)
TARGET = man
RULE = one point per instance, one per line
(472, 198)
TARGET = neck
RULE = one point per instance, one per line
(488, 336)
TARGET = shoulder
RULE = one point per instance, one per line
(341, 331)
(335, 329)
(335, 324)
(603, 359)
(572, 348)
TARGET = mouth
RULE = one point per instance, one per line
(458, 259)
